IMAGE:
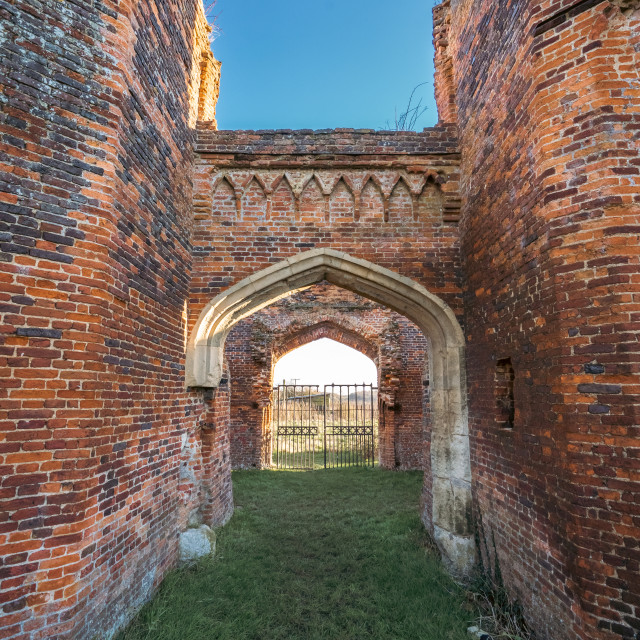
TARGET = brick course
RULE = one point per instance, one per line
(99, 101)
(327, 142)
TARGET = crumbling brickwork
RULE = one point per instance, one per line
(547, 103)
(99, 101)
(388, 197)
(395, 344)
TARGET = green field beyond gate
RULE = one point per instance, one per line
(337, 554)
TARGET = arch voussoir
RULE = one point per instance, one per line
(325, 329)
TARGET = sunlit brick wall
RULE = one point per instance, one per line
(548, 108)
(98, 109)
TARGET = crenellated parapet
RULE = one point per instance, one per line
(440, 140)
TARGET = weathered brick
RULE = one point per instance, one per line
(548, 123)
(115, 234)
(89, 251)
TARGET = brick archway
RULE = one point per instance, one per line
(251, 364)
(326, 329)
(450, 459)
(396, 345)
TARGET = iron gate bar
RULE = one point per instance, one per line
(345, 432)
(324, 428)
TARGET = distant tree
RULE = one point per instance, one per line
(407, 119)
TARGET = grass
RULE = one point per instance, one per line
(337, 554)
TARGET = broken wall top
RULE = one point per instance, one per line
(440, 140)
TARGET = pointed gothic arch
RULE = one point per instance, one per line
(325, 329)
(450, 458)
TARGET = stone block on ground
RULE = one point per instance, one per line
(196, 543)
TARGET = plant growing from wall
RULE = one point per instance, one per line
(212, 18)
(407, 119)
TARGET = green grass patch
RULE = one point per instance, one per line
(322, 554)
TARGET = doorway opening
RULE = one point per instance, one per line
(324, 408)
(447, 506)
(321, 336)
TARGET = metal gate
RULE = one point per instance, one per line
(314, 429)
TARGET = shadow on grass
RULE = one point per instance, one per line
(322, 554)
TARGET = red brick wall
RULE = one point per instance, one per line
(547, 101)
(104, 457)
(395, 344)
(264, 196)
(99, 103)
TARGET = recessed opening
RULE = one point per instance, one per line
(324, 408)
(324, 352)
(505, 405)
(324, 361)
(271, 323)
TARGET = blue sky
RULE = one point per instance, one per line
(295, 64)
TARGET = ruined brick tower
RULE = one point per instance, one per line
(135, 237)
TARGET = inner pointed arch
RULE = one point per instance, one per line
(325, 329)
